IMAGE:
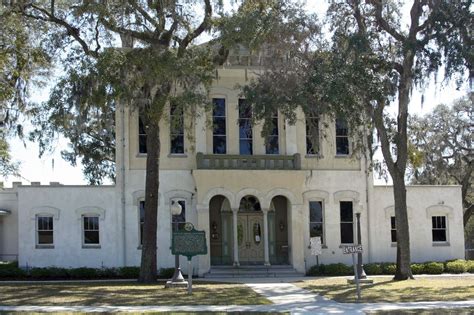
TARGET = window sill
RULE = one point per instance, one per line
(44, 246)
(441, 244)
(177, 155)
(342, 156)
(141, 155)
(393, 245)
(347, 244)
(139, 247)
(91, 246)
(314, 156)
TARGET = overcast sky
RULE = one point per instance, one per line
(52, 168)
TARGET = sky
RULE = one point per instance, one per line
(52, 168)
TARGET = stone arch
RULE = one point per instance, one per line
(178, 194)
(316, 194)
(390, 211)
(90, 210)
(278, 192)
(435, 210)
(45, 210)
(347, 195)
(218, 191)
(246, 192)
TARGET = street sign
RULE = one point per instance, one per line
(315, 244)
(189, 242)
(352, 249)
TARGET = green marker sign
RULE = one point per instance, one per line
(189, 242)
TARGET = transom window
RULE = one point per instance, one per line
(91, 230)
(393, 230)
(44, 230)
(439, 228)
(219, 139)
(141, 136)
(272, 145)
(312, 134)
(245, 128)
(316, 219)
(176, 129)
(342, 137)
(347, 222)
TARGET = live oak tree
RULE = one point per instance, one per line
(371, 62)
(442, 150)
(141, 54)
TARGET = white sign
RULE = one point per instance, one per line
(352, 249)
(315, 244)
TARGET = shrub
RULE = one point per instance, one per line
(316, 270)
(11, 271)
(389, 268)
(166, 273)
(470, 266)
(373, 269)
(338, 270)
(49, 273)
(107, 273)
(83, 273)
(433, 268)
(129, 272)
(417, 269)
(456, 266)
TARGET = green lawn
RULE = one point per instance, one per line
(127, 294)
(387, 290)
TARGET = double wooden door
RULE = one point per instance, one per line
(250, 238)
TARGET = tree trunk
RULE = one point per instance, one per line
(403, 271)
(148, 267)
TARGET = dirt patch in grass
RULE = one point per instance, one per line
(126, 294)
(387, 290)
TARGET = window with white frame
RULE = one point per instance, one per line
(347, 222)
(44, 230)
(316, 221)
(271, 143)
(90, 229)
(342, 137)
(176, 129)
(245, 128)
(141, 217)
(219, 138)
(178, 221)
(439, 228)
(141, 136)
(312, 134)
(393, 229)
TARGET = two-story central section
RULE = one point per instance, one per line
(258, 200)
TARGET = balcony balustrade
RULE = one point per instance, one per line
(248, 162)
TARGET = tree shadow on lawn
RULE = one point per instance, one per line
(346, 293)
(128, 294)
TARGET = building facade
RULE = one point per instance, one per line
(258, 200)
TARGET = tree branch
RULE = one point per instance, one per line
(383, 23)
(201, 28)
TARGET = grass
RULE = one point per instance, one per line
(438, 311)
(126, 294)
(387, 290)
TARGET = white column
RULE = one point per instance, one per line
(265, 237)
(297, 241)
(291, 139)
(236, 242)
(204, 261)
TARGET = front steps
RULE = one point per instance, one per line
(280, 271)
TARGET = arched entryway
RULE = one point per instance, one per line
(220, 231)
(250, 232)
(278, 231)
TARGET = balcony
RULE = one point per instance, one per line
(248, 162)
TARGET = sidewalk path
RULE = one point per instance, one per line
(286, 298)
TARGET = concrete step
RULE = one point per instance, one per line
(252, 272)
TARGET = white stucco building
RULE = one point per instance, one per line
(258, 204)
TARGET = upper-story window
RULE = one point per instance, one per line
(271, 145)
(141, 136)
(44, 230)
(245, 128)
(176, 129)
(342, 137)
(219, 139)
(312, 134)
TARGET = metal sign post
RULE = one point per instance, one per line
(189, 243)
(354, 249)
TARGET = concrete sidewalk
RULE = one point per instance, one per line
(285, 296)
